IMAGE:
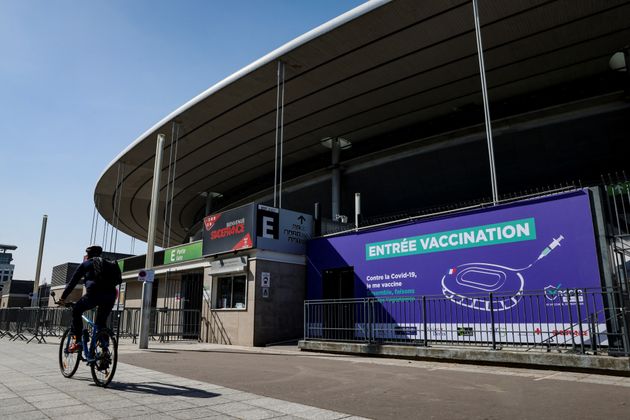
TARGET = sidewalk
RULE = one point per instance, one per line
(31, 387)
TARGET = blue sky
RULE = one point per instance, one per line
(80, 80)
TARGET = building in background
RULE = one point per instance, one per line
(17, 294)
(6, 268)
(61, 275)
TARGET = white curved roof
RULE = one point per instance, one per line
(380, 67)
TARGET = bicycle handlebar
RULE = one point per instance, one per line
(64, 304)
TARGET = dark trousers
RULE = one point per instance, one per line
(104, 301)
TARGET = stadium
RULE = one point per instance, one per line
(371, 129)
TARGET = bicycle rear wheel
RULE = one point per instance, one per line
(68, 362)
(105, 357)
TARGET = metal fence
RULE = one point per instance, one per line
(579, 320)
(35, 324)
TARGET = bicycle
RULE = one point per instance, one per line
(99, 350)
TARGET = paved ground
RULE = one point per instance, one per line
(393, 389)
(31, 387)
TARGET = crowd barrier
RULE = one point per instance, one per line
(580, 320)
(36, 324)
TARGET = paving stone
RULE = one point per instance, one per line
(5, 395)
(119, 402)
(28, 415)
(39, 391)
(136, 410)
(194, 413)
(63, 412)
(8, 411)
(285, 407)
(257, 414)
(209, 402)
(242, 396)
(41, 397)
(12, 401)
(58, 402)
(231, 408)
(90, 415)
(157, 416)
(319, 414)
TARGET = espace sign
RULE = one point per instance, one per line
(282, 230)
(256, 226)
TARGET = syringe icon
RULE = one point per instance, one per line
(555, 243)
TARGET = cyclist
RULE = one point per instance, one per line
(99, 292)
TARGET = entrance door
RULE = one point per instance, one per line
(191, 295)
(338, 311)
(339, 283)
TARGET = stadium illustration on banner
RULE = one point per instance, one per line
(460, 283)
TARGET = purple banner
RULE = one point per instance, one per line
(543, 246)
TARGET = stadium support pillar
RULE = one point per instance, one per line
(277, 181)
(336, 178)
(38, 270)
(357, 210)
(147, 287)
(486, 105)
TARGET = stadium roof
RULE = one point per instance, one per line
(378, 68)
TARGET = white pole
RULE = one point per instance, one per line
(147, 288)
(486, 105)
(336, 179)
(357, 210)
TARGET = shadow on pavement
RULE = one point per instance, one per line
(157, 388)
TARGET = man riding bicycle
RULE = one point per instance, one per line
(99, 292)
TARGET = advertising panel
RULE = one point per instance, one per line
(231, 230)
(545, 245)
(282, 230)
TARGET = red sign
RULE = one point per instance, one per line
(228, 231)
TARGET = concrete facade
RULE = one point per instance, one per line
(279, 317)
(266, 318)
(229, 326)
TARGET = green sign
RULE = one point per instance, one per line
(498, 233)
(183, 253)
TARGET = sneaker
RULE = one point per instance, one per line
(75, 347)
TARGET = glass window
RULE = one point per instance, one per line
(230, 292)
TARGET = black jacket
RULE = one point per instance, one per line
(86, 271)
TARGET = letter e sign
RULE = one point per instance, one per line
(268, 225)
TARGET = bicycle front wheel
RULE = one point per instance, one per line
(105, 357)
(68, 362)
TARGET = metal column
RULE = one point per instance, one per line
(357, 210)
(147, 287)
(42, 238)
(336, 178)
(486, 105)
(277, 179)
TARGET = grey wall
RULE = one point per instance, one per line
(280, 316)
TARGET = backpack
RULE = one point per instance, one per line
(107, 271)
